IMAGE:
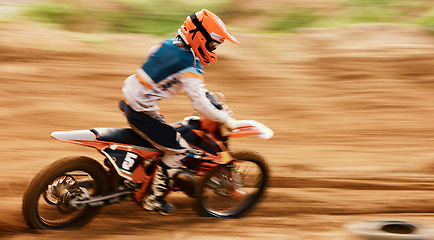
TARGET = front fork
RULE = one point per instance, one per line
(227, 182)
(237, 183)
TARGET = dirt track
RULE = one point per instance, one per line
(352, 110)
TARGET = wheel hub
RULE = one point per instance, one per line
(61, 191)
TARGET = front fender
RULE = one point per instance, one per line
(251, 127)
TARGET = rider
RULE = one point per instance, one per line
(176, 64)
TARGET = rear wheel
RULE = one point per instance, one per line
(229, 191)
(48, 201)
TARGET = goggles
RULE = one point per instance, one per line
(212, 45)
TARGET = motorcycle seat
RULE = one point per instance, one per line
(121, 135)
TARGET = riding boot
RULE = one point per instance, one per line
(161, 184)
(164, 179)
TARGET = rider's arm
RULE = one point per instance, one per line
(194, 87)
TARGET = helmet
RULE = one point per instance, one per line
(204, 31)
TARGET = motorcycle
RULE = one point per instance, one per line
(72, 190)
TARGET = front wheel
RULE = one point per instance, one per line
(48, 200)
(229, 191)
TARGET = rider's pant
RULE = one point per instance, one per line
(160, 134)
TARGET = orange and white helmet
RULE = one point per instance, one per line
(204, 31)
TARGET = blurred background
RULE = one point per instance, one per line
(162, 16)
(346, 85)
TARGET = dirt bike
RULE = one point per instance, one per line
(71, 191)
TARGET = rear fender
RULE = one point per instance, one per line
(81, 137)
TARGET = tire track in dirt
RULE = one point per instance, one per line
(399, 183)
(285, 197)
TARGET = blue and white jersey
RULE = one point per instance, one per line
(168, 70)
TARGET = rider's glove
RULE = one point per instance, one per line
(231, 124)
